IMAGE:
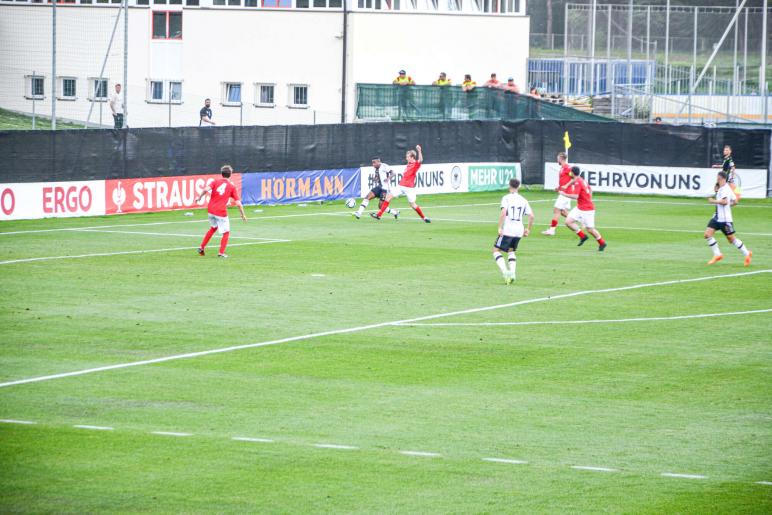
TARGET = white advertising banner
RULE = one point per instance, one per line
(659, 180)
(452, 177)
(51, 199)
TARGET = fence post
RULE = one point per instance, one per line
(53, 65)
(126, 66)
(667, 47)
(32, 90)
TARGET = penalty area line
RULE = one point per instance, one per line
(561, 322)
(357, 329)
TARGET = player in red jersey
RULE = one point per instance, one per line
(222, 191)
(584, 212)
(406, 185)
(563, 203)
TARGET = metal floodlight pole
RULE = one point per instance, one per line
(344, 85)
(763, 67)
(565, 54)
(98, 85)
(32, 91)
(720, 42)
(667, 47)
(592, 48)
(648, 30)
(53, 65)
(630, 43)
(126, 65)
(608, 35)
(745, 50)
(734, 54)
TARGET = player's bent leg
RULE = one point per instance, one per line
(713, 244)
(224, 243)
(553, 223)
(601, 242)
(205, 241)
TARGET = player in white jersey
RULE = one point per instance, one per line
(514, 208)
(381, 187)
(722, 220)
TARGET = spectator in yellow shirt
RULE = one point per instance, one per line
(403, 79)
(443, 80)
(468, 85)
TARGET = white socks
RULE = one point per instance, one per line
(713, 244)
(740, 245)
(362, 206)
(500, 262)
(512, 262)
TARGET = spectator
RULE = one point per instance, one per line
(468, 85)
(443, 80)
(493, 82)
(658, 120)
(510, 86)
(534, 93)
(403, 79)
(205, 115)
(116, 106)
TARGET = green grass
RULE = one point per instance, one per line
(644, 398)
(10, 120)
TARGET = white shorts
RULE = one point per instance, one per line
(222, 223)
(563, 202)
(585, 217)
(398, 190)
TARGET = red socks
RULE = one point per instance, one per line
(208, 236)
(581, 235)
(384, 207)
(601, 241)
(554, 223)
(224, 242)
(420, 213)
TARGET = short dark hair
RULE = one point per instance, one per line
(207, 100)
(514, 183)
(723, 175)
(575, 171)
(226, 171)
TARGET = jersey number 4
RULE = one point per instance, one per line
(221, 189)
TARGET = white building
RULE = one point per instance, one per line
(279, 62)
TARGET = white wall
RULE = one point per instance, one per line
(248, 46)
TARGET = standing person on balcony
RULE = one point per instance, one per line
(494, 100)
(205, 115)
(493, 82)
(468, 87)
(116, 106)
(404, 93)
(443, 93)
(510, 86)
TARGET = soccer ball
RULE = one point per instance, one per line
(351, 203)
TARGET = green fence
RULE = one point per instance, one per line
(434, 103)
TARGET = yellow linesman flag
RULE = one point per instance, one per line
(566, 140)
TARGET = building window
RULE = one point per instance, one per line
(67, 86)
(231, 94)
(167, 25)
(191, 2)
(178, 2)
(264, 95)
(139, 2)
(156, 91)
(250, 3)
(98, 90)
(35, 87)
(298, 95)
(175, 92)
(159, 1)
(282, 4)
(162, 92)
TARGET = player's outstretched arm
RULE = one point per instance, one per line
(420, 154)
(206, 191)
(530, 224)
(502, 215)
(241, 210)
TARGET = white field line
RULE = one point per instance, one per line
(594, 469)
(173, 234)
(22, 422)
(767, 483)
(684, 476)
(95, 428)
(126, 252)
(336, 446)
(697, 203)
(422, 454)
(506, 460)
(170, 433)
(356, 329)
(561, 322)
(250, 439)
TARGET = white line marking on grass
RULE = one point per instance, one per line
(250, 439)
(11, 421)
(127, 252)
(170, 433)
(594, 469)
(766, 483)
(171, 234)
(95, 428)
(335, 446)
(317, 275)
(684, 476)
(561, 322)
(696, 203)
(422, 454)
(506, 460)
(370, 326)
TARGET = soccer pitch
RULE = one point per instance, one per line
(336, 365)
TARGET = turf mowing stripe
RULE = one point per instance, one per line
(506, 460)
(683, 476)
(560, 322)
(250, 439)
(594, 469)
(422, 454)
(95, 428)
(370, 326)
(11, 421)
(123, 253)
(335, 446)
(170, 433)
